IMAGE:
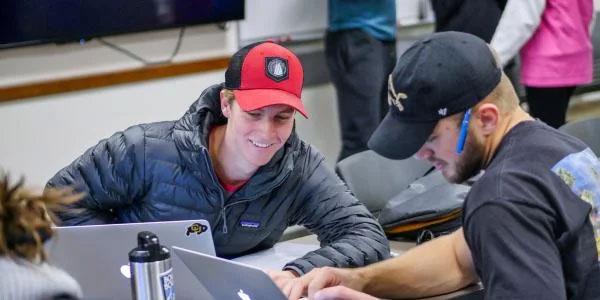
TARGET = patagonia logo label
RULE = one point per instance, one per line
(250, 224)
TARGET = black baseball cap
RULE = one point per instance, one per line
(441, 75)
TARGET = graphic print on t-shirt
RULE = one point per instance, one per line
(581, 172)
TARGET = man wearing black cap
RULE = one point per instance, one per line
(529, 221)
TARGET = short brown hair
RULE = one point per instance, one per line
(503, 96)
(229, 95)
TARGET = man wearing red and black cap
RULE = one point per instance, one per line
(235, 160)
(529, 222)
(264, 74)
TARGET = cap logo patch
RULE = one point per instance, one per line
(276, 68)
(393, 97)
(442, 111)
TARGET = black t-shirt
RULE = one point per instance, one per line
(529, 220)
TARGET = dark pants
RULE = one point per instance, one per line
(359, 66)
(549, 104)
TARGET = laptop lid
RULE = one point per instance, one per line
(97, 255)
(226, 279)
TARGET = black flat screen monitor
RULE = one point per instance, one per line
(28, 22)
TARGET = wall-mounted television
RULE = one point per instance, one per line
(28, 22)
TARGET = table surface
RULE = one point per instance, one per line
(283, 252)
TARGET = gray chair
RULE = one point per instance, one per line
(374, 179)
(294, 232)
(586, 130)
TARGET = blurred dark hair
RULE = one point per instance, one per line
(26, 218)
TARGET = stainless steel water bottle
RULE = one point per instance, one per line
(151, 270)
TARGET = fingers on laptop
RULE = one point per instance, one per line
(321, 278)
(280, 278)
(340, 293)
(294, 289)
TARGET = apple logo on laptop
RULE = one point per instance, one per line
(126, 271)
(243, 295)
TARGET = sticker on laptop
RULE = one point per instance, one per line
(166, 280)
(196, 228)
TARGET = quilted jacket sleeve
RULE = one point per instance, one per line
(348, 233)
(110, 175)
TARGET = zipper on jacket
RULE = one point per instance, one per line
(224, 217)
(242, 200)
(224, 209)
(223, 205)
(216, 182)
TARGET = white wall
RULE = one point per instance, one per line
(51, 61)
(40, 136)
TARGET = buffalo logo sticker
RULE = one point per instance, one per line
(196, 228)
(276, 68)
(393, 97)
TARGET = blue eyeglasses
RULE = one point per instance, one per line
(464, 128)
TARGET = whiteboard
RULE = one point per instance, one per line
(298, 20)
(283, 20)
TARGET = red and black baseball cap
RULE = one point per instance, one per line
(263, 74)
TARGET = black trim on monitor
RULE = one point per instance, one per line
(30, 22)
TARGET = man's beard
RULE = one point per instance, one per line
(470, 160)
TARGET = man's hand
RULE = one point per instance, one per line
(322, 284)
(323, 278)
(288, 282)
(341, 293)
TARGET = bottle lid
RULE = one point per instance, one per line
(149, 249)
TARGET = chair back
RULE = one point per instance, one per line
(374, 179)
(587, 131)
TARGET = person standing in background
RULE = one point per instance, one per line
(477, 17)
(553, 37)
(360, 48)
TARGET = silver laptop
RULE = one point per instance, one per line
(97, 255)
(226, 279)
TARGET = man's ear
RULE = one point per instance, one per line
(225, 106)
(488, 115)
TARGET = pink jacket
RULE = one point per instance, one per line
(554, 41)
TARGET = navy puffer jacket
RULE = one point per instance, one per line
(162, 171)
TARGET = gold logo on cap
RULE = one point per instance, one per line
(393, 97)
